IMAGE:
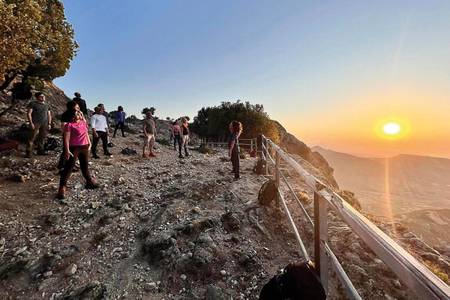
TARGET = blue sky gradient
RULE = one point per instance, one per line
(300, 59)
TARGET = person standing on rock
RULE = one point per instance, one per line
(81, 103)
(149, 135)
(99, 131)
(233, 146)
(40, 119)
(120, 120)
(185, 137)
(66, 116)
(177, 140)
(77, 145)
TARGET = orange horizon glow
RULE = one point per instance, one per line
(356, 126)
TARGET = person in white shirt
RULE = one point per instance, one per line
(99, 131)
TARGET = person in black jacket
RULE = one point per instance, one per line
(81, 103)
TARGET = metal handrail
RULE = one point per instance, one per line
(415, 275)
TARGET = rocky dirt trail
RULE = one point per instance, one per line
(160, 228)
(165, 228)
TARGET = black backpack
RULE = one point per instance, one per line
(299, 281)
(51, 144)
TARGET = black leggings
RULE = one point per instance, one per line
(104, 137)
(120, 125)
(177, 140)
(82, 154)
(235, 161)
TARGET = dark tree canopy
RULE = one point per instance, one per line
(147, 109)
(212, 122)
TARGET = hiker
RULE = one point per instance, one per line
(109, 143)
(66, 116)
(149, 135)
(120, 120)
(233, 146)
(104, 113)
(176, 135)
(77, 145)
(81, 103)
(40, 119)
(99, 131)
(185, 135)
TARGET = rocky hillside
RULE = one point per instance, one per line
(15, 117)
(166, 228)
(296, 147)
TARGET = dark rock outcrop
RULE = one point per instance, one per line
(294, 146)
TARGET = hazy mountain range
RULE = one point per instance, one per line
(411, 189)
(395, 185)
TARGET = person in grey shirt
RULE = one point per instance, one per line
(40, 119)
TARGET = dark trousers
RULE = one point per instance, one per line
(104, 137)
(235, 161)
(120, 125)
(82, 154)
(38, 135)
(177, 140)
(62, 158)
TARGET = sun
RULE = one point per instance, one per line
(392, 128)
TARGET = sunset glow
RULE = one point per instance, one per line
(391, 128)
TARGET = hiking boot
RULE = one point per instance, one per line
(180, 156)
(108, 154)
(152, 154)
(60, 194)
(145, 155)
(95, 156)
(91, 185)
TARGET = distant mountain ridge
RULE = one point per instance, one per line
(412, 182)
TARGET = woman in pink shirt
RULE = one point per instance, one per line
(77, 145)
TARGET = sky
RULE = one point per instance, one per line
(332, 72)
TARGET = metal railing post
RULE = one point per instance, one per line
(320, 239)
(277, 170)
(267, 156)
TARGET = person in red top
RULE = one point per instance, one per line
(76, 145)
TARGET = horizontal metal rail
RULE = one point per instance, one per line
(294, 227)
(296, 198)
(349, 288)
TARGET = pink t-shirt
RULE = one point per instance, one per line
(78, 133)
(176, 129)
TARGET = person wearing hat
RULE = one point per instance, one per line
(81, 103)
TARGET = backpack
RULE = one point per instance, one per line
(51, 144)
(128, 151)
(299, 281)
